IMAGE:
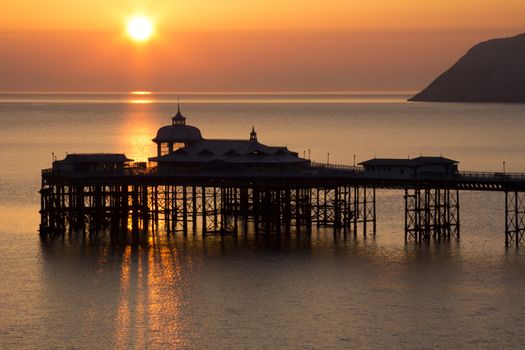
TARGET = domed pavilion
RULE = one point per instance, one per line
(178, 135)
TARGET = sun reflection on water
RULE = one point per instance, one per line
(164, 293)
(140, 101)
(140, 97)
(138, 130)
(151, 283)
(123, 310)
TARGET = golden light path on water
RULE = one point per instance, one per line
(141, 101)
(137, 131)
(123, 310)
(150, 293)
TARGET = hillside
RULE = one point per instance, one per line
(492, 71)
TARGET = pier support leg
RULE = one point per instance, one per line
(431, 213)
(362, 209)
(514, 217)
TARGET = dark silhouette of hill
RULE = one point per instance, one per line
(492, 71)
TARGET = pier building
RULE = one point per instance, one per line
(181, 147)
(411, 168)
(95, 162)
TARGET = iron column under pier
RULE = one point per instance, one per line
(514, 217)
(431, 213)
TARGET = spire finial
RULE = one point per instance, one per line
(253, 134)
(178, 119)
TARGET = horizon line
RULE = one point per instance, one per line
(262, 30)
(267, 92)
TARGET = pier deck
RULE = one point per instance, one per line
(344, 197)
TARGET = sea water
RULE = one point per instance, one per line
(290, 291)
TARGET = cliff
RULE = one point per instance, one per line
(492, 71)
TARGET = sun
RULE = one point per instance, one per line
(140, 28)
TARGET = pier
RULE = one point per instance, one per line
(199, 186)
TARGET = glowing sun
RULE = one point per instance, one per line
(140, 28)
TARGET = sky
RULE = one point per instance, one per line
(237, 46)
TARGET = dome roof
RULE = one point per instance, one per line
(178, 133)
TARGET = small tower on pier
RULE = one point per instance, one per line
(178, 119)
(253, 135)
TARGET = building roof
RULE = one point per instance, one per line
(199, 150)
(96, 158)
(415, 162)
(388, 162)
(178, 131)
(231, 151)
(178, 134)
(435, 160)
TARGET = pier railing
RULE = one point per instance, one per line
(477, 175)
(95, 173)
(315, 170)
(354, 169)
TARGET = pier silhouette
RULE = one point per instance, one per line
(194, 185)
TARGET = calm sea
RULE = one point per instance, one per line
(294, 291)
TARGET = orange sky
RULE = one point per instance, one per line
(228, 45)
(263, 14)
